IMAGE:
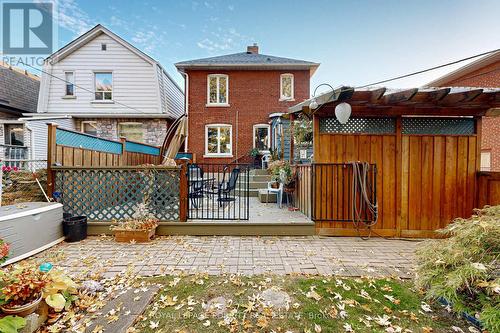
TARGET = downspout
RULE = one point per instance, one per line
(186, 106)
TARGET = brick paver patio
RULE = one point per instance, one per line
(348, 256)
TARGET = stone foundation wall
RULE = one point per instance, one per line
(107, 128)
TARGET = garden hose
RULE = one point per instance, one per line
(361, 201)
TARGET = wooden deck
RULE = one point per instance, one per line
(265, 220)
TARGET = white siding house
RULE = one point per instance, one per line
(110, 87)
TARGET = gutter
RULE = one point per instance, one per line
(186, 106)
(107, 115)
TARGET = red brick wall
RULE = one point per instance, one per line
(486, 77)
(253, 95)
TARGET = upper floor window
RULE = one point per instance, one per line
(218, 140)
(217, 89)
(89, 127)
(69, 78)
(286, 86)
(261, 137)
(131, 131)
(103, 86)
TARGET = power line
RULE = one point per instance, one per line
(85, 89)
(428, 69)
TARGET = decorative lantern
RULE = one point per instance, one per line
(343, 112)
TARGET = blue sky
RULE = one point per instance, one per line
(356, 42)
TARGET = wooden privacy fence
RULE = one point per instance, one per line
(488, 188)
(115, 193)
(71, 148)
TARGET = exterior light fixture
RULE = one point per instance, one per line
(313, 105)
(343, 112)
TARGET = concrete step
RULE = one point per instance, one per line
(257, 178)
(259, 172)
(263, 197)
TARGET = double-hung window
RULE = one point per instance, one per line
(69, 78)
(103, 82)
(217, 89)
(218, 140)
(286, 87)
(261, 137)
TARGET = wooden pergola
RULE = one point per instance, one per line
(425, 142)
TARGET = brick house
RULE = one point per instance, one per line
(482, 73)
(231, 97)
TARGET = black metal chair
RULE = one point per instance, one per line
(225, 190)
(196, 186)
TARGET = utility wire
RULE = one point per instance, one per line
(85, 89)
(428, 69)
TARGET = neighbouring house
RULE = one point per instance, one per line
(232, 99)
(110, 89)
(482, 73)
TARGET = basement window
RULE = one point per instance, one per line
(131, 131)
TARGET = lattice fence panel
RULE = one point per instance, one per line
(358, 125)
(113, 194)
(437, 126)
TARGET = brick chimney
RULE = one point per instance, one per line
(253, 49)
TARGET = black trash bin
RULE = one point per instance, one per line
(74, 228)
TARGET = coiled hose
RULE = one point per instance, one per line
(361, 201)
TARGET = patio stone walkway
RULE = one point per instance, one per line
(348, 256)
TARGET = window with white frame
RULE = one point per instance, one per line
(103, 82)
(286, 86)
(217, 89)
(131, 131)
(485, 160)
(261, 137)
(89, 127)
(218, 140)
(69, 78)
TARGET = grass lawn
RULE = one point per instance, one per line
(316, 304)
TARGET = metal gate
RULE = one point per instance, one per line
(218, 191)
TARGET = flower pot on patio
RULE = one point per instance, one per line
(22, 310)
(139, 236)
(275, 185)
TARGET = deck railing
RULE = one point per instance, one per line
(115, 193)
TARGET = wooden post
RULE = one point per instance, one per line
(479, 133)
(183, 193)
(123, 156)
(399, 175)
(51, 157)
(292, 119)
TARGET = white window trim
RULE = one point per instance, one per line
(82, 125)
(285, 98)
(208, 89)
(230, 154)
(129, 123)
(112, 87)
(268, 135)
(66, 83)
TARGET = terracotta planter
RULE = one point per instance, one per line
(23, 310)
(139, 236)
(275, 185)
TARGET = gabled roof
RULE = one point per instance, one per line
(464, 70)
(247, 60)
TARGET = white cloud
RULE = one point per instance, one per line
(223, 39)
(72, 17)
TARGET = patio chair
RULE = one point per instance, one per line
(278, 191)
(224, 189)
(196, 186)
(266, 158)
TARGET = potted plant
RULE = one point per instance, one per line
(4, 251)
(255, 153)
(140, 228)
(59, 293)
(21, 291)
(274, 168)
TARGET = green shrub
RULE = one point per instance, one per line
(464, 268)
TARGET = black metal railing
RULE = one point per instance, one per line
(218, 191)
(334, 195)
